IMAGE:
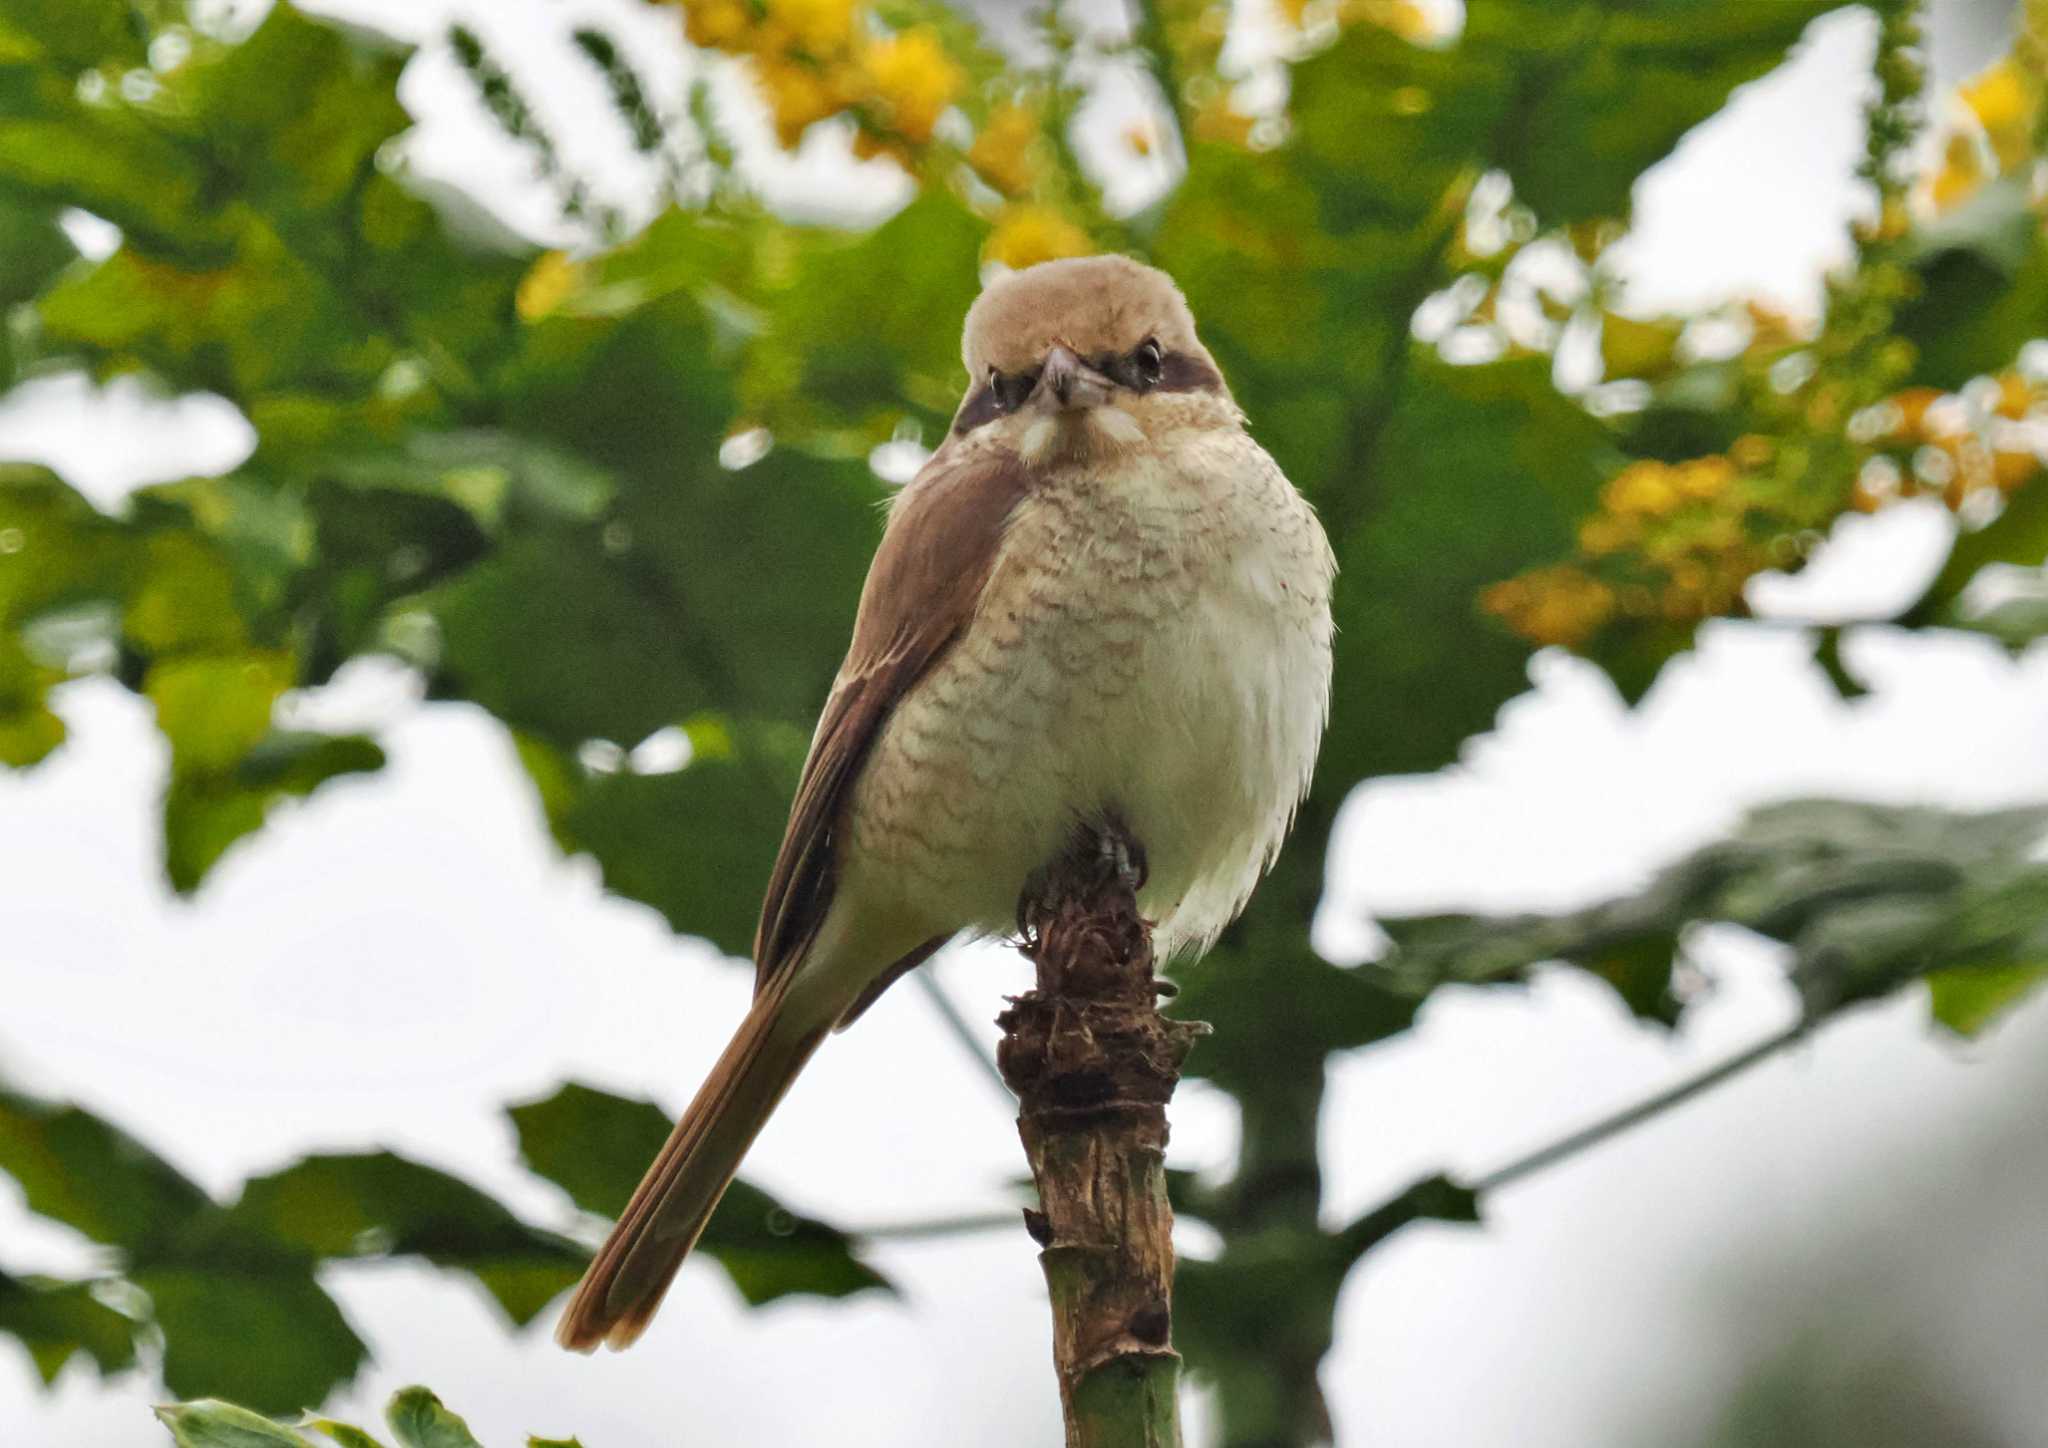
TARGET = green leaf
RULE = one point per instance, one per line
(595, 1146)
(380, 1205)
(2018, 623)
(298, 110)
(33, 248)
(770, 1251)
(1502, 468)
(1605, 89)
(418, 1420)
(252, 1326)
(60, 550)
(214, 709)
(612, 667)
(830, 358)
(210, 806)
(112, 165)
(76, 1169)
(56, 1321)
(179, 596)
(259, 318)
(499, 477)
(2018, 535)
(322, 274)
(1969, 1000)
(1383, 128)
(697, 843)
(29, 728)
(211, 1423)
(77, 34)
(346, 1434)
(695, 544)
(590, 1143)
(1983, 274)
(1869, 897)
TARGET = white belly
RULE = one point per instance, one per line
(1154, 645)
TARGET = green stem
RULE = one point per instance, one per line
(1590, 1136)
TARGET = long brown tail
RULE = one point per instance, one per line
(675, 1199)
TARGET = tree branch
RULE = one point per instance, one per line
(1448, 1199)
(1093, 1064)
(1587, 1137)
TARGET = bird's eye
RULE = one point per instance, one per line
(1011, 388)
(1147, 361)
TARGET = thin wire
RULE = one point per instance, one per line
(962, 1030)
(940, 1227)
(1591, 1136)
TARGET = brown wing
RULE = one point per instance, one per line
(922, 589)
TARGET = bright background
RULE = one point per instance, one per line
(1617, 1300)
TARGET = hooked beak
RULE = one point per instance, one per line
(1066, 383)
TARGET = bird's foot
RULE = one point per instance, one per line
(1120, 857)
(1102, 857)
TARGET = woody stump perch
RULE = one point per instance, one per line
(1093, 1064)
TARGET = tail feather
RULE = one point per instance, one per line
(669, 1209)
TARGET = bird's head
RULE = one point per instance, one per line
(1084, 356)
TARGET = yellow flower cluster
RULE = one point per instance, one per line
(818, 58)
(1938, 447)
(1677, 541)
(1562, 604)
(1027, 233)
(1673, 533)
(1007, 151)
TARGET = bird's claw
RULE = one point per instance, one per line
(1121, 858)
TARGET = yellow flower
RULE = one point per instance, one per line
(550, 281)
(1605, 533)
(1643, 489)
(1590, 238)
(2015, 395)
(1962, 172)
(1912, 405)
(1704, 478)
(1028, 234)
(867, 145)
(1404, 18)
(1771, 329)
(1751, 451)
(819, 26)
(718, 24)
(1218, 120)
(1004, 153)
(913, 79)
(2010, 470)
(1558, 605)
(2005, 99)
(796, 94)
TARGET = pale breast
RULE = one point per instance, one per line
(1155, 641)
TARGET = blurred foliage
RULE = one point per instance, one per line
(1866, 898)
(593, 488)
(416, 1417)
(211, 1281)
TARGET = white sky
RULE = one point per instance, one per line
(386, 966)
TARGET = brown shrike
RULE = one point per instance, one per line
(1099, 601)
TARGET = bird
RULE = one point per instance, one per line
(1099, 604)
